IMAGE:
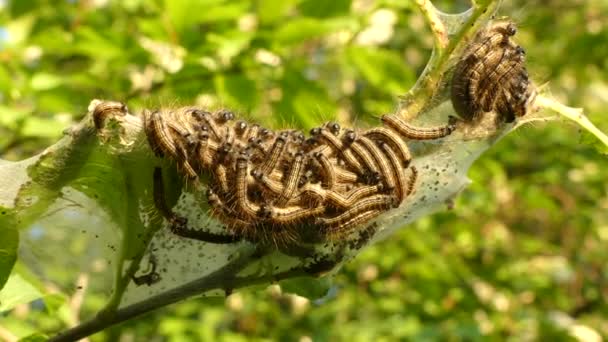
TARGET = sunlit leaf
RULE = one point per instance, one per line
(270, 11)
(42, 127)
(8, 248)
(237, 90)
(36, 337)
(303, 103)
(96, 44)
(17, 291)
(382, 68)
(17, 31)
(5, 79)
(323, 9)
(184, 14)
(45, 81)
(298, 30)
(9, 117)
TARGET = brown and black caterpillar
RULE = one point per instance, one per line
(491, 76)
(281, 188)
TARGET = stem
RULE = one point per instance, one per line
(125, 279)
(440, 34)
(574, 114)
(122, 284)
(224, 278)
(220, 279)
(428, 83)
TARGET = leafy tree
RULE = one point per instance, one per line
(519, 256)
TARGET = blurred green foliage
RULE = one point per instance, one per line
(522, 256)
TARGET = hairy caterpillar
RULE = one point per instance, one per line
(281, 188)
(150, 277)
(103, 109)
(491, 76)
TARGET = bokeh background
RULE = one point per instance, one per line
(522, 256)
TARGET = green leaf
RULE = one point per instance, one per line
(96, 44)
(297, 30)
(8, 248)
(301, 29)
(17, 291)
(5, 79)
(19, 30)
(309, 287)
(230, 44)
(227, 11)
(237, 91)
(45, 81)
(269, 11)
(184, 14)
(324, 9)
(304, 103)
(58, 100)
(53, 40)
(383, 69)
(11, 116)
(53, 302)
(42, 127)
(36, 337)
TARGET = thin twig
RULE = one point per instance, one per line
(220, 279)
(440, 34)
(124, 279)
(75, 302)
(574, 114)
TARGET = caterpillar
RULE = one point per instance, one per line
(491, 76)
(281, 188)
(104, 109)
(150, 277)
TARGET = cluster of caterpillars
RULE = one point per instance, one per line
(491, 76)
(284, 189)
(281, 187)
